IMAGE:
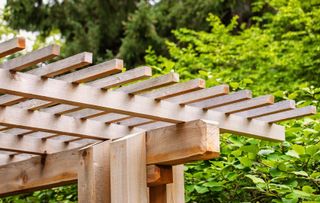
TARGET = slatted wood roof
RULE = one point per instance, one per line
(51, 107)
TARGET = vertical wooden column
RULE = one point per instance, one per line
(128, 169)
(94, 174)
(175, 190)
(158, 178)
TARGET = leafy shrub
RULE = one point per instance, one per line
(279, 53)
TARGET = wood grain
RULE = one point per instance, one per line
(291, 114)
(32, 58)
(94, 174)
(12, 46)
(128, 179)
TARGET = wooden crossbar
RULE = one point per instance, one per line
(31, 58)
(63, 66)
(200, 139)
(12, 46)
(118, 102)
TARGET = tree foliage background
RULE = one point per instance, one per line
(268, 46)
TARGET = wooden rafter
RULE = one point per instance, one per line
(119, 102)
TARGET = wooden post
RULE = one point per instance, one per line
(160, 176)
(94, 174)
(175, 190)
(128, 169)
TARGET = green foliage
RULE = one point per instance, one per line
(121, 28)
(67, 194)
(278, 53)
(94, 26)
(267, 56)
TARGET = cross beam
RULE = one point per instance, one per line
(88, 97)
(195, 140)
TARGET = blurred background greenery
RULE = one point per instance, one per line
(268, 46)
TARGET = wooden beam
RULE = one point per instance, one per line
(223, 100)
(176, 89)
(247, 104)
(182, 143)
(32, 145)
(32, 104)
(119, 102)
(149, 84)
(63, 65)
(267, 110)
(134, 122)
(286, 115)
(185, 141)
(7, 159)
(41, 121)
(12, 46)
(195, 140)
(156, 94)
(39, 172)
(94, 174)
(122, 78)
(200, 95)
(8, 100)
(31, 58)
(159, 175)
(94, 72)
(127, 161)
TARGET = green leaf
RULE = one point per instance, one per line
(293, 153)
(299, 149)
(201, 189)
(255, 179)
(300, 173)
(245, 161)
(264, 152)
(308, 189)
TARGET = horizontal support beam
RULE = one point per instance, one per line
(247, 104)
(286, 115)
(94, 72)
(64, 65)
(191, 142)
(32, 58)
(39, 172)
(64, 125)
(149, 84)
(32, 145)
(223, 100)
(182, 143)
(61, 66)
(119, 102)
(12, 46)
(200, 95)
(267, 110)
(122, 78)
(176, 89)
(159, 175)
(7, 159)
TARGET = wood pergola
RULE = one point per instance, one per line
(120, 136)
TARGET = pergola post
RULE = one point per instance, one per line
(94, 174)
(175, 190)
(128, 179)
